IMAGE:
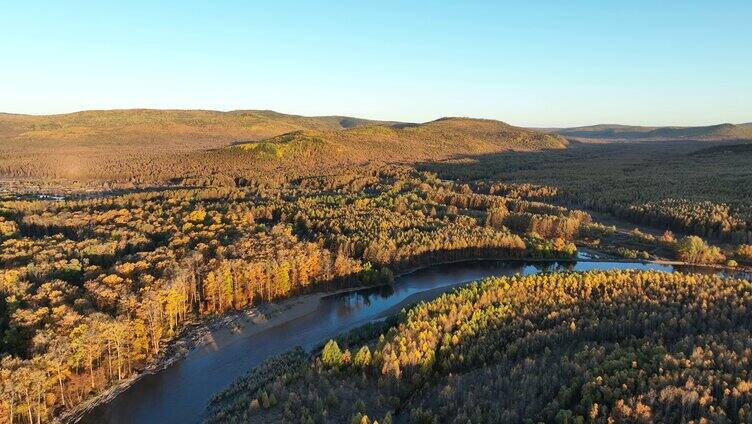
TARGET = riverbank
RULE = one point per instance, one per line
(249, 321)
(590, 255)
(198, 333)
(219, 329)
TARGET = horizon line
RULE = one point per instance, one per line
(541, 127)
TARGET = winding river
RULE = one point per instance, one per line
(180, 393)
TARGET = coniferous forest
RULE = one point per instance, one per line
(616, 346)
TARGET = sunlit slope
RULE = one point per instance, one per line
(440, 139)
(152, 146)
(162, 128)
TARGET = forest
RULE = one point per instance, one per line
(95, 288)
(615, 346)
(687, 187)
(111, 249)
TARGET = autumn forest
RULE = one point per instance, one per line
(123, 232)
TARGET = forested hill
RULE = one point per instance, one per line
(720, 132)
(439, 139)
(152, 146)
(596, 347)
(173, 128)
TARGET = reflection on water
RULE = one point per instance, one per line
(180, 393)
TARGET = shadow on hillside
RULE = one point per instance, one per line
(552, 166)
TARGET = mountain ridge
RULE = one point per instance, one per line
(438, 139)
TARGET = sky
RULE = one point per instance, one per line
(532, 63)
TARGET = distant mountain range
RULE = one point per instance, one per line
(191, 129)
(720, 132)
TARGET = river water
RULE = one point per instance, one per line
(180, 393)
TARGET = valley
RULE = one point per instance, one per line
(131, 285)
(375, 212)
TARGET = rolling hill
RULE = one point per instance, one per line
(145, 145)
(720, 132)
(439, 139)
(181, 129)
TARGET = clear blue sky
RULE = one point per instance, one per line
(536, 63)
